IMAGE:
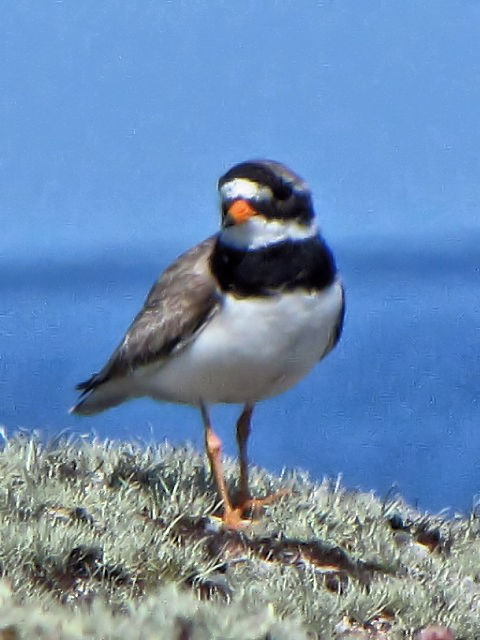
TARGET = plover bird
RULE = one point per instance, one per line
(240, 317)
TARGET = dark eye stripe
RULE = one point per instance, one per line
(283, 192)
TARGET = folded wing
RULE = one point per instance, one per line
(178, 306)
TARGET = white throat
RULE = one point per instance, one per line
(259, 232)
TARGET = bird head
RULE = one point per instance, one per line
(262, 202)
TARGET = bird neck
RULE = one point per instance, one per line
(278, 267)
(261, 232)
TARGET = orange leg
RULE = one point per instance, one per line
(243, 431)
(213, 446)
(244, 502)
(233, 516)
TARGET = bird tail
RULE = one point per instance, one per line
(97, 398)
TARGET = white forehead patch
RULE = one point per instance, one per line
(243, 188)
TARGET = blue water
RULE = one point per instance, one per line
(116, 119)
(396, 404)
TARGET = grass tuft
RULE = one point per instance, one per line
(112, 540)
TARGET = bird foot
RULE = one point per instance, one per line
(247, 510)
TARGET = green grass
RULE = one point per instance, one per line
(110, 540)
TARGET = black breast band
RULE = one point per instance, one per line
(284, 266)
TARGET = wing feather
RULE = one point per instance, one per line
(178, 306)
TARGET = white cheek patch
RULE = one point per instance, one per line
(246, 189)
(259, 232)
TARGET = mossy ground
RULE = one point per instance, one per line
(110, 540)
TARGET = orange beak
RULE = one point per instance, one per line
(241, 211)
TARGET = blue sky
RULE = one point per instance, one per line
(117, 118)
(129, 111)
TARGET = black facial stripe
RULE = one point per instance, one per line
(300, 209)
(285, 266)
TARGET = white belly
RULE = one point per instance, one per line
(250, 350)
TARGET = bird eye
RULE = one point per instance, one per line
(282, 191)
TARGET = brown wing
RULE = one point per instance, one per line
(178, 306)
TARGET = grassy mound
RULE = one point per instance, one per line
(109, 540)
